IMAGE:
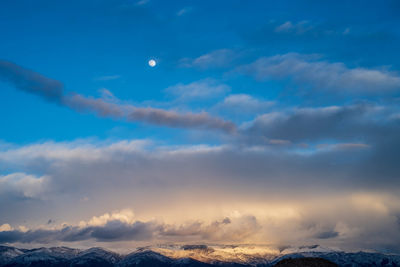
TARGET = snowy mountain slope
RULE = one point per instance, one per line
(63, 256)
(348, 259)
(8, 253)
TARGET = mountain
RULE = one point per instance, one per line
(348, 259)
(305, 262)
(194, 256)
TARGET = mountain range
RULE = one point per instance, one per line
(191, 255)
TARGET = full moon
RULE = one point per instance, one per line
(152, 63)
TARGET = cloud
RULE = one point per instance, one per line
(5, 227)
(323, 75)
(120, 226)
(22, 185)
(237, 229)
(84, 151)
(341, 225)
(35, 83)
(360, 122)
(297, 28)
(343, 146)
(142, 2)
(117, 226)
(108, 78)
(156, 116)
(215, 59)
(125, 216)
(173, 119)
(99, 106)
(274, 193)
(150, 115)
(328, 234)
(184, 11)
(198, 90)
(30, 81)
(244, 103)
(112, 231)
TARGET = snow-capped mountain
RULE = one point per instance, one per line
(180, 256)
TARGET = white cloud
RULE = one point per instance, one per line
(215, 59)
(125, 216)
(198, 90)
(5, 227)
(82, 150)
(297, 28)
(184, 11)
(323, 75)
(23, 185)
(244, 103)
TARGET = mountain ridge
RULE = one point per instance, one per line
(96, 256)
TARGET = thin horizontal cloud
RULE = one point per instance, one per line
(174, 119)
(107, 77)
(149, 115)
(52, 90)
(297, 28)
(323, 75)
(244, 103)
(214, 59)
(198, 90)
(343, 146)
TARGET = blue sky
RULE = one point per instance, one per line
(252, 106)
(78, 43)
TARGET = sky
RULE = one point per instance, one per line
(262, 122)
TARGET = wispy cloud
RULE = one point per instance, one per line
(323, 75)
(149, 115)
(142, 2)
(107, 78)
(297, 28)
(198, 90)
(215, 59)
(244, 103)
(184, 11)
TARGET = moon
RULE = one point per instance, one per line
(152, 63)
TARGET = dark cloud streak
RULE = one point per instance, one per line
(52, 90)
(30, 81)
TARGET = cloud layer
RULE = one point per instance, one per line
(319, 194)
